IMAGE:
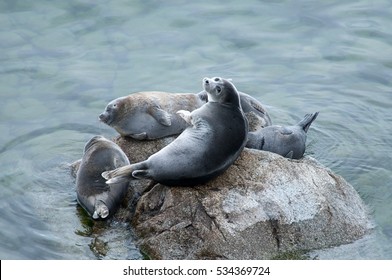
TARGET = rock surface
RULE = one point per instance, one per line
(263, 206)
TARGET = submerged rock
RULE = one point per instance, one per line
(263, 206)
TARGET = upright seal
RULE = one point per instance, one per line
(215, 138)
(93, 194)
(287, 141)
(152, 114)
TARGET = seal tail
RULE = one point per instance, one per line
(307, 121)
(118, 175)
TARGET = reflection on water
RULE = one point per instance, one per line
(62, 61)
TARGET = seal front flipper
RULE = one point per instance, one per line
(140, 136)
(160, 115)
(186, 115)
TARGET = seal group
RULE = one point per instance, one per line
(215, 137)
(212, 127)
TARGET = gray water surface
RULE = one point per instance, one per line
(61, 62)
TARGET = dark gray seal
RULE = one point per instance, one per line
(93, 194)
(150, 115)
(215, 138)
(287, 141)
(254, 111)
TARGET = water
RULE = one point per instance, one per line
(62, 61)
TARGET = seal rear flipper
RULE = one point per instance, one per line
(185, 115)
(307, 121)
(141, 174)
(101, 210)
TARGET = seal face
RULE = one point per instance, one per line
(150, 115)
(93, 194)
(215, 138)
(287, 141)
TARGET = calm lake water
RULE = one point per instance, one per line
(61, 62)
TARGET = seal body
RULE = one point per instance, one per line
(93, 194)
(255, 112)
(287, 141)
(150, 115)
(214, 139)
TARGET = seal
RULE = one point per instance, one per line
(93, 194)
(150, 115)
(215, 138)
(287, 141)
(254, 111)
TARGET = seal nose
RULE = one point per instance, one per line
(101, 116)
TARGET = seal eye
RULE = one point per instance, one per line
(218, 89)
(216, 79)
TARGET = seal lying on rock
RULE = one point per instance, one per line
(287, 141)
(97, 198)
(215, 138)
(152, 115)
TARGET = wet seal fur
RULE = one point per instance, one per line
(287, 141)
(93, 194)
(215, 138)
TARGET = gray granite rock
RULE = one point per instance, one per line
(263, 206)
